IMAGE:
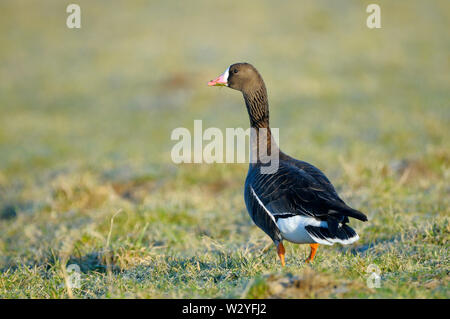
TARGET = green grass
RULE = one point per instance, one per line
(85, 123)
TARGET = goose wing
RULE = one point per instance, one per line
(295, 191)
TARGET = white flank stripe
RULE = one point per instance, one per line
(262, 205)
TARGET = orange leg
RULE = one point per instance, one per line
(281, 251)
(312, 253)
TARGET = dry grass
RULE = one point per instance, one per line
(85, 123)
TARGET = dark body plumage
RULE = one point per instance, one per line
(297, 188)
(296, 202)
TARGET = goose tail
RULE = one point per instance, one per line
(348, 211)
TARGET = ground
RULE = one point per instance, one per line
(86, 176)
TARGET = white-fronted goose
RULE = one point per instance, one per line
(297, 202)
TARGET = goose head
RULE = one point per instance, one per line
(239, 76)
(245, 78)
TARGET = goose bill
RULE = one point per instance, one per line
(221, 80)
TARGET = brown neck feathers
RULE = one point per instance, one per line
(257, 106)
(258, 110)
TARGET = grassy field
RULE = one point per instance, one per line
(86, 175)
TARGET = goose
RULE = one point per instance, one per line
(296, 202)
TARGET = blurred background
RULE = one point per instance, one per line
(86, 116)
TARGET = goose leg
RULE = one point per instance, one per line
(281, 251)
(312, 253)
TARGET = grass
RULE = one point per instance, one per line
(85, 123)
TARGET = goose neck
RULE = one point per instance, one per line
(257, 107)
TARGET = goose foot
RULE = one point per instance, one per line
(281, 251)
(312, 253)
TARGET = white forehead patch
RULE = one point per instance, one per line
(226, 74)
